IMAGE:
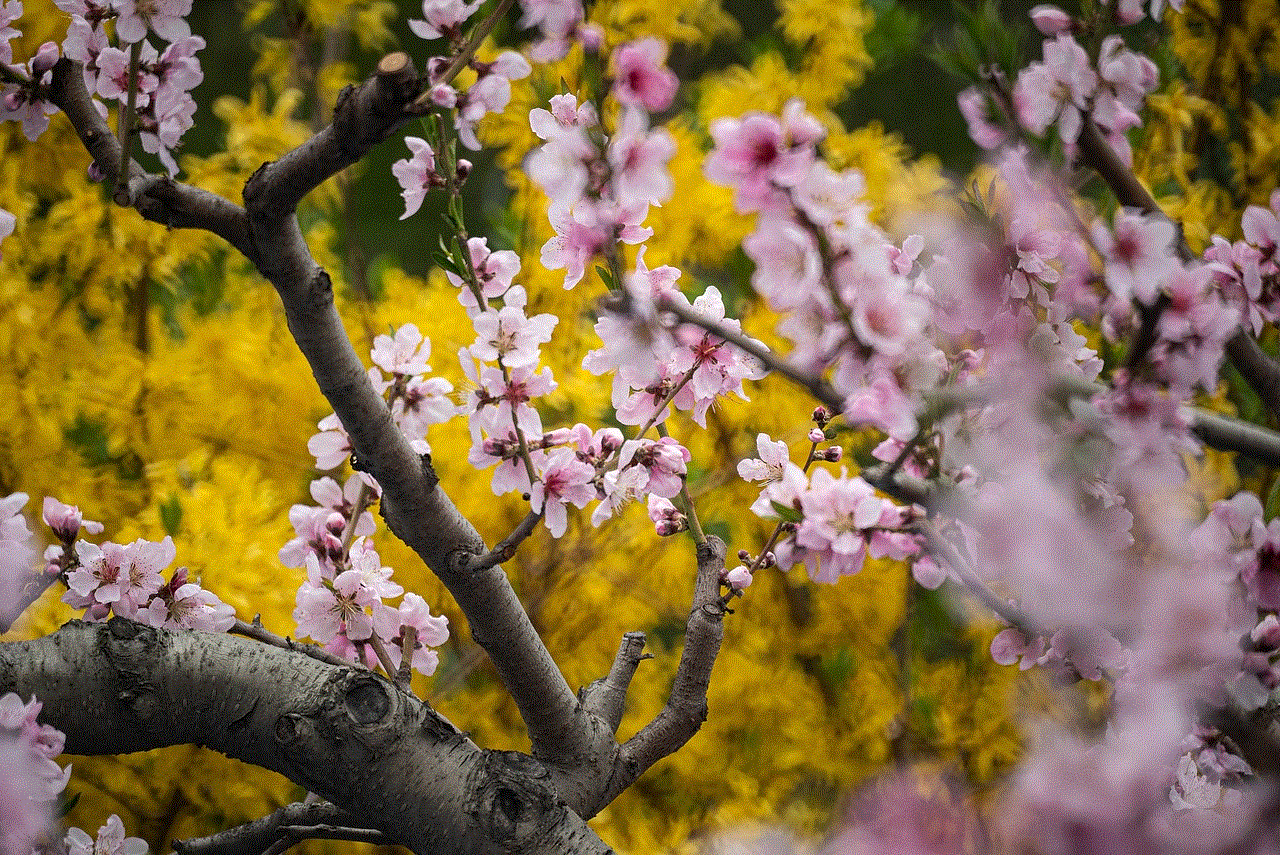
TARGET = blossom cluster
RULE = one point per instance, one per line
(491, 91)
(342, 602)
(159, 83)
(108, 578)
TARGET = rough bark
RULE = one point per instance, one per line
(347, 734)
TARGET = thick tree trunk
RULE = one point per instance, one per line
(385, 757)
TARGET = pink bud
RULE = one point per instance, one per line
(738, 578)
(44, 59)
(592, 38)
(1050, 20)
(833, 454)
(816, 436)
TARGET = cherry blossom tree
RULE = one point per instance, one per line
(1037, 368)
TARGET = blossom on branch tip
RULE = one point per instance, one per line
(66, 520)
(667, 518)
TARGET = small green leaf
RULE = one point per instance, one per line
(605, 276)
(171, 515)
(786, 513)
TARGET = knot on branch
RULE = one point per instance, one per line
(512, 800)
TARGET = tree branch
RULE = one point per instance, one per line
(267, 233)
(157, 198)
(686, 707)
(380, 754)
(258, 836)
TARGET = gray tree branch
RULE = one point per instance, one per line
(383, 756)
(420, 513)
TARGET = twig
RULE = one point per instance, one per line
(507, 548)
(947, 551)
(818, 387)
(258, 632)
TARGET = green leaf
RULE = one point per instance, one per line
(171, 515)
(1273, 501)
(786, 513)
(605, 276)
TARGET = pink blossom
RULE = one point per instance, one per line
(663, 461)
(565, 115)
(667, 519)
(511, 474)
(181, 604)
(563, 479)
(768, 467)
(1056, 90)
(416, 174)
(1261, 226)
(495, 270)
(489, 94)
(30, 779)
(25, 103)
(24, 818)
(163, 17)
(10, 11)
(641, 78)
(507, 336)
(882, 403)
(326, 608)
(975, 107)
(562, 166)
(405, 354)
(331, 447)
(66, 520)
(581, 233)
(788, 266)
(837, 511)
(1050, 20)
(110, 841)
(1138, 253)
(431, 631)
(759, 157)
(16, 550)
(620, 486)
(639, 160)
(443, 18)
(317, 531)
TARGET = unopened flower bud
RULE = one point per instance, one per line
(816, 436)
(821, 416)
(592, 38)
(738, 578)
(463, 169)
(335, 523)
(45, 57)
(744, 556)
(769, 560)
(833, 454)
(96, 172)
